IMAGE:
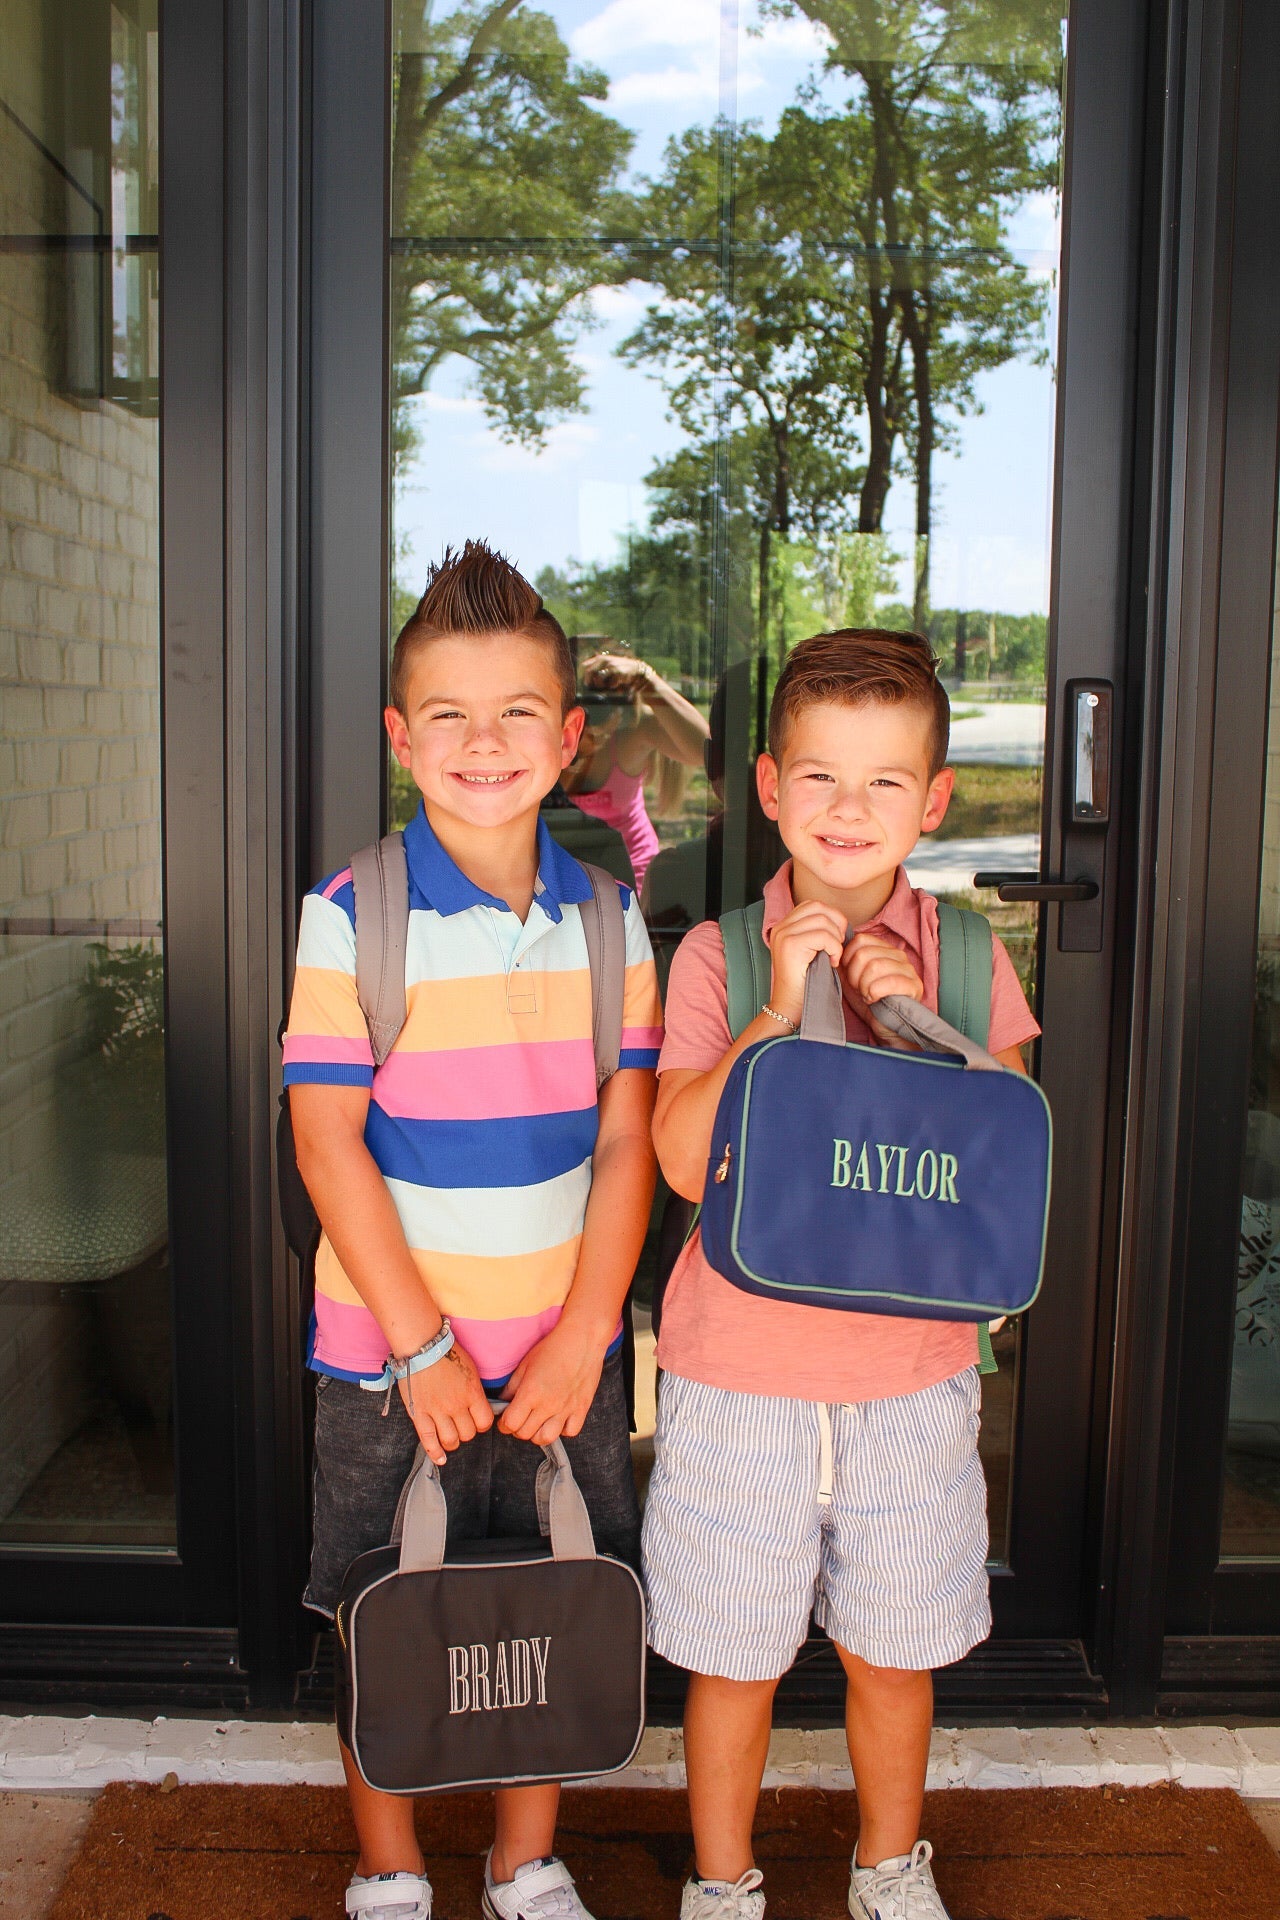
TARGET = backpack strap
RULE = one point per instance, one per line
(380, 881)
(964, 970)
(748, 969)
(964, 1000)
(604, 927)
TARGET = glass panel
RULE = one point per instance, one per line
(86, 1450)
(1251, 1489)
(731, 323)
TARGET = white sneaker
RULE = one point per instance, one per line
(389, 1896)
(898, 1889)
(720, 1900)
(541, 1890)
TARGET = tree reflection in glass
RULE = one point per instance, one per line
(735, 322)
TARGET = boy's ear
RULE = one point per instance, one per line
(397, 733)
(767, 778)
(941, 787)
(571, 735)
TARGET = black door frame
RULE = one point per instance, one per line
(1191, 1635)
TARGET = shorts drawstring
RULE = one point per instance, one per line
(826, 1460)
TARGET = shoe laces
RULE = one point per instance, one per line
(738, 1902)
(557, 1902)
(903, 1890)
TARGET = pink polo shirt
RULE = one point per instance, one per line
(713, 1332)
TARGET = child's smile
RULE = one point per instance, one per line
(851, 796)
(484, 733)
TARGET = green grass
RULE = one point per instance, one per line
(991, 800)
(966, 713)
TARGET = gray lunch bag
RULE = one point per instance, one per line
(498, 1663)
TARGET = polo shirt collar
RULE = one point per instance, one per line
(900, 912)
(445, 888)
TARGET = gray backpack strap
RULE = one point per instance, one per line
(747, 966)
(380, 881)
(964, 970)
(604, 928)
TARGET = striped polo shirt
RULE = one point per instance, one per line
(482, 1119)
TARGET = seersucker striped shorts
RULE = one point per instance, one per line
(873, 1516)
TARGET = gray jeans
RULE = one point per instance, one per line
(362, 1460)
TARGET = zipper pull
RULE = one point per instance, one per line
(722, 1171)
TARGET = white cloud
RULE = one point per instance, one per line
(697, 86)
(455, 403)
(618, 307)
(566, 442)
(627, 25)
(990, 570)
(796, 38)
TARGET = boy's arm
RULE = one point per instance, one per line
(446, 1402)
(551, 1391)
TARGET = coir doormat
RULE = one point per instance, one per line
(285, 1853)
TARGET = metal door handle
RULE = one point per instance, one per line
(1029, 886)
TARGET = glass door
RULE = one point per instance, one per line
(1222, 1624)
(734, 322)
(111, 1325)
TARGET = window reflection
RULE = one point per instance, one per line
(730, 325)
(1251, 1491)
(85, 1372)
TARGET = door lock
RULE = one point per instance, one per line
(1086, 816)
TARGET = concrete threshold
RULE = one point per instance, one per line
(39, 1752)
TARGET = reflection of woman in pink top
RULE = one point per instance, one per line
(637, 726)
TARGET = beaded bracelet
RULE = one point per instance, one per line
(781, 1018)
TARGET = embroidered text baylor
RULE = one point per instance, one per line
(933, 1176)
(479, 1683)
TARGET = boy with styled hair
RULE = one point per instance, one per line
(744, 1534)
(482, 1207)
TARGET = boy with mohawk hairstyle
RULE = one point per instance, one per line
(808, 1459)
(482, 1207)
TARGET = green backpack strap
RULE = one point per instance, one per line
(964, 970)
(964, 1001)
(748, 970)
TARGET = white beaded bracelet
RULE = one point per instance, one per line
(781, 1018)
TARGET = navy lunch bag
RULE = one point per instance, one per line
(875, 1180)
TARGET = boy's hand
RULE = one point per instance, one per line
(447, 1404)
(551, 1391)
(873, 968)
(808, 929)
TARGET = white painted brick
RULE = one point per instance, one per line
(1204, 1756)
(945, 1766)
(1064, 1756)
(995, 1757)
(792, 1757)
(1261, 1773)
(831, 1767)
(1131, 1756)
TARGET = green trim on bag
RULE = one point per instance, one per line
(992, 1310)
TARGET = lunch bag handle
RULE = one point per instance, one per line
(823, 1019)
(422, 1515)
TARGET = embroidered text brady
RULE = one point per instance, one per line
(484, 1680)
